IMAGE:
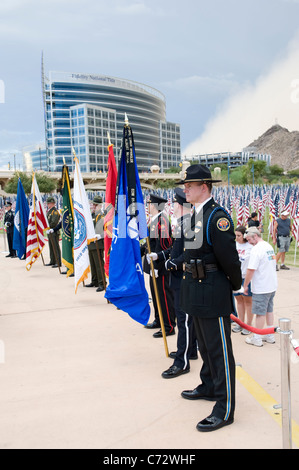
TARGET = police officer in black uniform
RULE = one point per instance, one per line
(212, 272)
(186, 341)
(9, 224)
(160, 240)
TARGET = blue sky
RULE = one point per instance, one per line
(228, 69)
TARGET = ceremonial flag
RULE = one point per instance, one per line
(36, 225)
(20, 221)
(84, 232)
(109, 206)
(126, 287)
(67, 223)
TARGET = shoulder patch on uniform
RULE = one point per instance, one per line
(223, 224)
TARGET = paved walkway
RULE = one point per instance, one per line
(78, 373)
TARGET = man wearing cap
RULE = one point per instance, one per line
(212, 272)
(261, 272)
(96, 248)
(282, 230)
(186, 341)
(160, 240)
(9, 225)
(53, 217)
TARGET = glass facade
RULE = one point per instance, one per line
(35, 158)
(170, 145)
(91, 127)
(64, 96)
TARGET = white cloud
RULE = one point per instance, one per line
(250, 112)
(197, 85)
(136, 8)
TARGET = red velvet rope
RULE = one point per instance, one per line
(264, 331)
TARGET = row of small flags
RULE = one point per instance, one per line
(241, 201)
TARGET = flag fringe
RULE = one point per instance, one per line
(83, 277)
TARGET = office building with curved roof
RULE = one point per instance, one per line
(81, 110)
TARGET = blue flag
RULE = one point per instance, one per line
(126, 289)
(20, 222)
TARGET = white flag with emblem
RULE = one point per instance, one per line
(84, 232)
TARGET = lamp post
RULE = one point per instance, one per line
(252, 171)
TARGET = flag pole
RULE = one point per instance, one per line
(154, 282)
(157, 298)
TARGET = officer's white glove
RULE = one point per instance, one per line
(50, 231)
(7, 224)
(98, 236)
(155, 272)
(170, 265)
(152, 256)
(240, 291)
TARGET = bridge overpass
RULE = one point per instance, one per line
(97, 181)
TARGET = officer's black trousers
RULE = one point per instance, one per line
(218, 370)
(186, 340)
(166, 300)
(12, 252)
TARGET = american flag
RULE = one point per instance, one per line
(273, 214)
(295, 226)
(37, 223)
(240, 213)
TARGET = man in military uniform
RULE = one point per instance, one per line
(160, 240)
(212, 272)
(9, 224)
(53, 217)
(186, 341)
(96, 249)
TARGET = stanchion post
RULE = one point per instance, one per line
(285, 332)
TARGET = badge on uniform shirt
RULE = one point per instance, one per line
(198, 226)
(223, 224)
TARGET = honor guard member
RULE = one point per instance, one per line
(9, 225)
(54, 230)
(212, 272)
(96, 249)
(186, 340)
(53, 217)
(160, 240)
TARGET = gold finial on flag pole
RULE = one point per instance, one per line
(126, 120)
(108, 137)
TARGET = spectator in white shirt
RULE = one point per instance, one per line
(261, 272)
(244, 301)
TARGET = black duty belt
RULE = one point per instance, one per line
(208, 267)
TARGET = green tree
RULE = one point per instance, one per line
(173, 169)
(45, 184)
(275, 170)
(254, 171)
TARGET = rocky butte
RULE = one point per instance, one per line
(281, 144)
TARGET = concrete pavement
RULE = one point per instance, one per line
(78, 373)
